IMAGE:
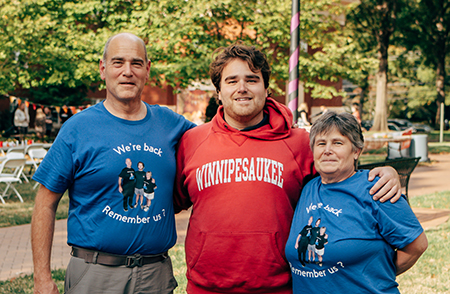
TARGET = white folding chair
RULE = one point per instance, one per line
(36, 156)
(18, 155)
(15, 167)
(2, 155)
(30, 162)
(16, 149)
(33, 146)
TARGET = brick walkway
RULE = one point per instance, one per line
(15, 247)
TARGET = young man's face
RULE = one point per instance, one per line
(242, 94)
(125, 71)
(140, 166)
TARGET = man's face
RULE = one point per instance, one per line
(125, 71)
(128, 162)
(242, 94)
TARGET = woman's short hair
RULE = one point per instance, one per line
(255, 59)
(344, 122)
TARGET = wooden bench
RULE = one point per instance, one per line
(404, 167)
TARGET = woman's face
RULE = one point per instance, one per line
(334, 157)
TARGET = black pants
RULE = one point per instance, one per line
(128, 200)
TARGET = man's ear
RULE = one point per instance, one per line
(149, 65)
(357, 153)
(219, 95)
(101, 66)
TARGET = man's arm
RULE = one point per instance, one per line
(120, 185)
(296, 241)
(407, 256)
(42, 230)
(388, 186)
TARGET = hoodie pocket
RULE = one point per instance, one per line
(237, 261)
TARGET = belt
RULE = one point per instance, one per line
(97, 257)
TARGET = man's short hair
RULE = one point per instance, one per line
(105, 50)
(255, 59)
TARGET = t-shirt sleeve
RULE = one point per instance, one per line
(397, 222)
(56, 169)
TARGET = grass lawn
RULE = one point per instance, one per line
(435, 135)
(431, 274)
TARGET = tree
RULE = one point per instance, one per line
(425, 26)
(378, 18)
(49, 49)
(191, 30)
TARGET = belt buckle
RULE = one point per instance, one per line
(135, 260)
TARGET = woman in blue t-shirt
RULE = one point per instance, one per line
(367, 242)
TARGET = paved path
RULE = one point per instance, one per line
(15, 247)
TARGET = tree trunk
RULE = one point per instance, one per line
(440, 87)
(386, 10)
(363, 95)
(380, 119)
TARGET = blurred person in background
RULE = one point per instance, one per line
(21, 120)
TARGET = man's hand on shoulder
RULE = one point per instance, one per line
(388, 186)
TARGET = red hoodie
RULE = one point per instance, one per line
(244, 187)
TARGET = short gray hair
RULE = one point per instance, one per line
(105, 50)
(344, 122)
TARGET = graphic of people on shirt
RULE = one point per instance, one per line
(312, 242)
(301, 244)
(127, 181)
(149, 189)
(139, 184)
(321, 241)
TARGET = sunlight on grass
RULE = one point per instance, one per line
(440, 200)
(179, 267)
(431, 274)
(14, 213)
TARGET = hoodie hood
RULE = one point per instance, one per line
(279, 126)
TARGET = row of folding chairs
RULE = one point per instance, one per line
(13, 163)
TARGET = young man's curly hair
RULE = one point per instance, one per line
(255, 59)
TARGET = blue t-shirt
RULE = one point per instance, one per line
(87, 158)
(355, 249)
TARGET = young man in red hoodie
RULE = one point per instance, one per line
(243, 174)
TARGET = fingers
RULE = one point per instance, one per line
(384, 192)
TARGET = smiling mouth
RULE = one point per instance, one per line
(243, 99)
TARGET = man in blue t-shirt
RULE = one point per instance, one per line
(114, 249)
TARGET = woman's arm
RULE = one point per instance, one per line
(407, 256)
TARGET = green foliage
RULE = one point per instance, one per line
(425, 28)
(43, 49)
(49, 49)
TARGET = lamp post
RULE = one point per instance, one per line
(293, 59)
